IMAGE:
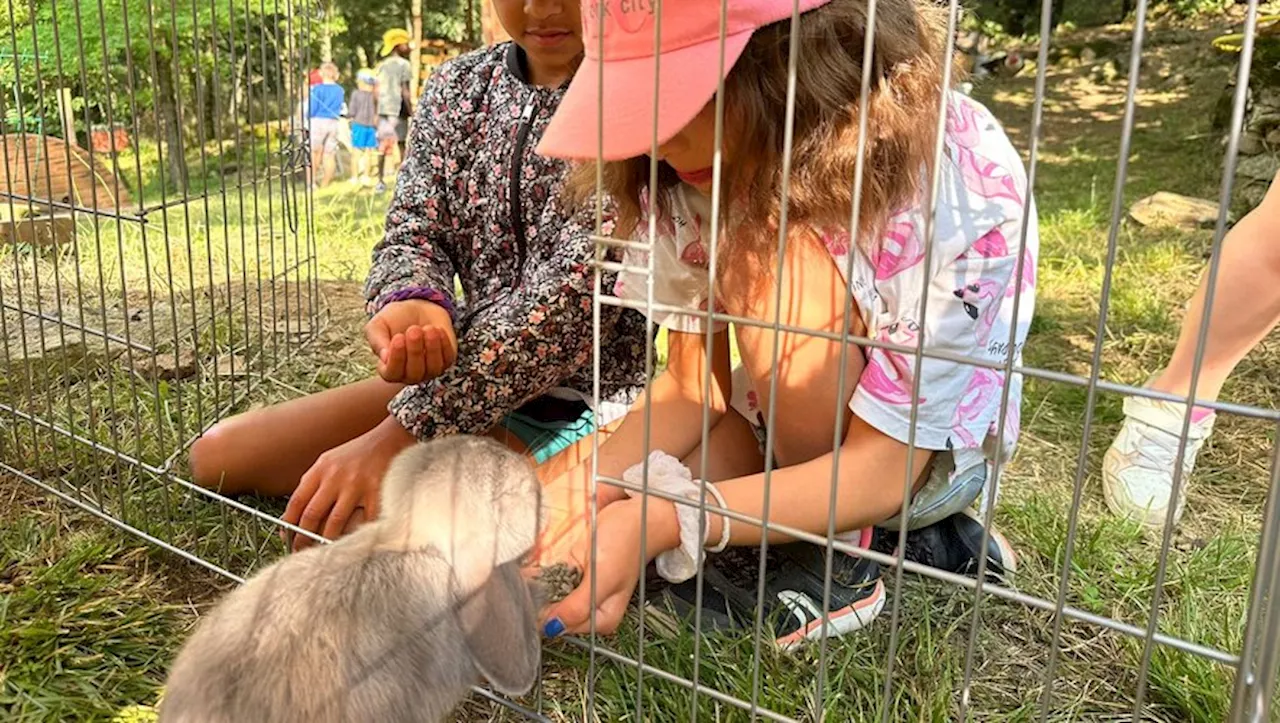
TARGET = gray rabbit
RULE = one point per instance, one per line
(391, 623)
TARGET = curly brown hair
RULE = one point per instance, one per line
(906, 82)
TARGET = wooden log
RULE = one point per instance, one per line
(37, 167)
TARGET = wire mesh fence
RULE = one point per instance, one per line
(157, 250)
(145, 302)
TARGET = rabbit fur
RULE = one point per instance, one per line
(392, 623)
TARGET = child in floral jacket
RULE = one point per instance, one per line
(510, 356)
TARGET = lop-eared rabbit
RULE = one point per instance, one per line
(392, 623)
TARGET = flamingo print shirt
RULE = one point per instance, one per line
(967, 290)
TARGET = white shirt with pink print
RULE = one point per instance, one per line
(971, 281)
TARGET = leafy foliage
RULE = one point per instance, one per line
(363, 23)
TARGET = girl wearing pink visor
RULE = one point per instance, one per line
(968, 271)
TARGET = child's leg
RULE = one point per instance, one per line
(808, 367)
(732, 451)
(317, 162)
(1137, 470)
(385, 151)
(330, 163)
(577, 454)
(267, 450)
(1246, 303)
(363, 165)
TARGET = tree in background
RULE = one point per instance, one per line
(188, 72)
(363, 23)
(183, 71)
(1021, 17)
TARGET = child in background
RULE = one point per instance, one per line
(1137, 470)
(363, 112)
(325, 107)
(394, 105)
(971, 282)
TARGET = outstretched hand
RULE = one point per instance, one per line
(618, 565)
(413, 340)
(617, 572)
(341, 490)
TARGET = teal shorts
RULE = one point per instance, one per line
(548, 431)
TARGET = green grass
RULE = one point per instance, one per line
(93, 617)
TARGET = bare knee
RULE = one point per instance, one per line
(1254, 242)
(209, 459)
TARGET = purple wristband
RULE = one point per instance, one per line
(422, 293)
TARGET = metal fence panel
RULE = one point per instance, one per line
(130, 328)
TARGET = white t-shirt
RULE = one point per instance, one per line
(970, 283)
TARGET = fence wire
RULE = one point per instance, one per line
(157, 254)
(154, 291)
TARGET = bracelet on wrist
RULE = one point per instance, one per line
(421, 293)
(724, 520)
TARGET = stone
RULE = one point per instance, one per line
(1273, 139)
(1088, 56)
(1267, 99)
(1171, 209)
(169, 367)
(232, 366)
(1262, 168)
(292, 327)
(59, 230)
(1251, 144)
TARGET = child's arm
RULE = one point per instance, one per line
(871, 479)
(675, 400)
(871, 469)
(516, 346)
(415, 256)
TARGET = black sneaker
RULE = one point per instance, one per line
(952, 544)
(794, 574)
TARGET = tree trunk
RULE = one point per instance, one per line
(326, 34)
(415, 55)
(471, 22)
(168, 102)
(238, 111)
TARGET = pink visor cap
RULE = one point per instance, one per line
(687, 77)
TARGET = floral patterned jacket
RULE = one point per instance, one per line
(474, 200)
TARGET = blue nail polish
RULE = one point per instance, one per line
(553, 628)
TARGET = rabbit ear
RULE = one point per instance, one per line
(501, 630)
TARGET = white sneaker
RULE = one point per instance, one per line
(1137, 471)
